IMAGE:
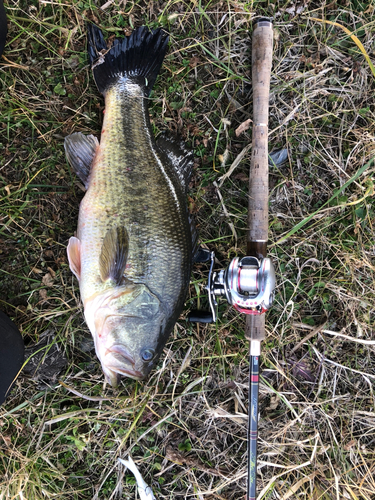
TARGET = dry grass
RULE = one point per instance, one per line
(186, 426)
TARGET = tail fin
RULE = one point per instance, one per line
(137, 57)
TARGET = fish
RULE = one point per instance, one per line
(145, 491)
(133, 250)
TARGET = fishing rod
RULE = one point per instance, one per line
(248, 283)
(257, 239)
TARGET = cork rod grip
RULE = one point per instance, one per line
(258, 182)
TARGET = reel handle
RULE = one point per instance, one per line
(198, 316)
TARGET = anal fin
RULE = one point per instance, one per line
(114, 254)
(80, 152)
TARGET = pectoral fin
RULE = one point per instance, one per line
(114, 254)
(74, 256)
(80, 152)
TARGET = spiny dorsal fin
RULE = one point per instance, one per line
(80, 151)
(178, 154)
(114, 254)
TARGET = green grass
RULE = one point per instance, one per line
(316, 401)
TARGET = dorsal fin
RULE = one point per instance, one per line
(114, 254)
(178, 154)
(80, 151)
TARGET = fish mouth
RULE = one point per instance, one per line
(118, 361)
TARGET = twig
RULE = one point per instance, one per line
(184, 364)
(328, 332)
(308, 337)
(14, 65)
(230, 223)
(235, 164)
(323, 358)
(77, 393)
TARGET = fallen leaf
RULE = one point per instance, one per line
(350, 444)
(36, 270)
(7, 440)
(301, 369)
(241, 176)
(219, 412)
(194, 61)
(47, 280)
(244, 126)
(274, 402)
(52, 272)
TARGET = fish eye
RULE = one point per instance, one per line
(147, 354)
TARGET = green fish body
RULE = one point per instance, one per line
(134, 244)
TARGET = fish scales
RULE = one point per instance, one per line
(129, 185)
(133, 251)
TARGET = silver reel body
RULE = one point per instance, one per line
(248, 284)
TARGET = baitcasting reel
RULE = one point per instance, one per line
(248, 284)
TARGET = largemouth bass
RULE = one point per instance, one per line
(133, 250)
